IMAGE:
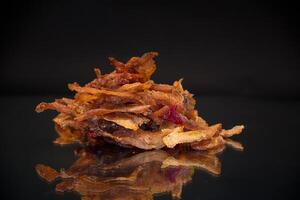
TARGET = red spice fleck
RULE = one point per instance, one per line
(91, 135)
(173, 116)
(171, 174)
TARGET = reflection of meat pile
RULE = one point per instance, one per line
(124, 174)
(127, 108)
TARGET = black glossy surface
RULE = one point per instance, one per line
(267, 169)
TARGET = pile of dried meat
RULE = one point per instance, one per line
(125, 107)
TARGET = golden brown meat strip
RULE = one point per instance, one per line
(46, 172)
(233, 131)
(178, 136)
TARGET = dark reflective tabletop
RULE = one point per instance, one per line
(266, 169)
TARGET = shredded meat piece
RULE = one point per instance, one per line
(46, 172)
(54, 106)
(234, 131)
(94, 91)
(133, 111)
(127, 120)
(177, 136)
(162, 87)
(115, 80)
(97, 72)
(104, 111)
(98, 127)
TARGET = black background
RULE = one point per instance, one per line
(239, 58)
(229, 48)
